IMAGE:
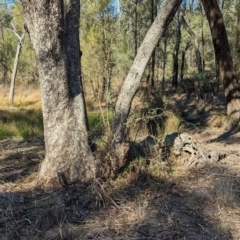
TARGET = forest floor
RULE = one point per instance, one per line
(167, 201)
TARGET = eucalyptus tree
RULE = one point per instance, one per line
(54, 31)
(6, 41)
(223, 57)
(133, 79)
(98, 39)
(12, 36)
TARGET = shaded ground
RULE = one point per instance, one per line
(151, 199)
(155, 201)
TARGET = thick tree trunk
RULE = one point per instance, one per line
(54, 32)
(223, 57)
(133, 79)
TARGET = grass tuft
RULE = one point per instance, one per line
(5, 132)
(220, 120)
(224, 190)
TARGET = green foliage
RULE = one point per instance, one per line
(5, 132)
(159, 120)
(97, 42)
(95, 121)
(13, 24)
(23, 130)
(5, 16)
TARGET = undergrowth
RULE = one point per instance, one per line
(21, 124)
(219, 120)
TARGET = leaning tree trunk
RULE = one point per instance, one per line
(133, 79)
(119, 148)
(54, 32)
(15, 67)
(195, 43)
(223, 57)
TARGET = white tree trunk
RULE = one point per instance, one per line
(15, 66)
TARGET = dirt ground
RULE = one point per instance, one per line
(175, 203)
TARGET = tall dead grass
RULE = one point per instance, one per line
(27, 98)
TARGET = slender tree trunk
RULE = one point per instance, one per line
(223, 57)
(54, 32)
(164, 63)
(153, 15)
(15, 66)
(183, 61)
(136, 28)
(237, 66)
(203, 39)
(133, 79)
(176, 51)
(195, 43)
(222, 4)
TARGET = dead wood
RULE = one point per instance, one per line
(114, 160)
(197, 155)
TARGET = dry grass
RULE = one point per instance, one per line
(24, 118)
(27, 98)
(150, 199)
(220, 120)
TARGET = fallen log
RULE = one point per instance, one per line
(198, 156)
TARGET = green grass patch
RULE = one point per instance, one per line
(99, 121)
(21, 124)
(5, 132)
(99, 127)
(95, 120)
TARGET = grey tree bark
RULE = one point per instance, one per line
(54, 32)
(15, 66)
(133, 79)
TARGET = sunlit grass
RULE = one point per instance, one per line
(27, 98)
(221, 120)
(21, 124)
(24, 118)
